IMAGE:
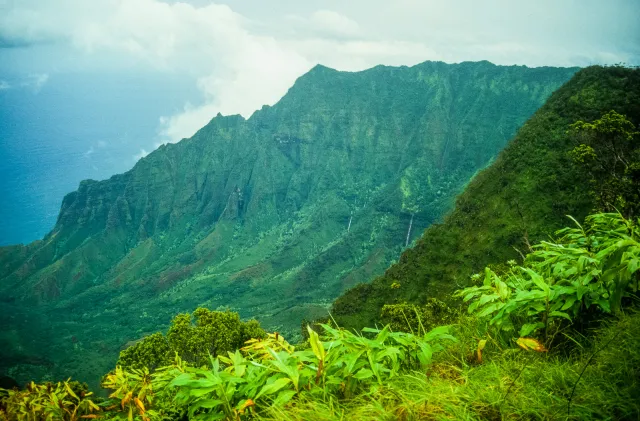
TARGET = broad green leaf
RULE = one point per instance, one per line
(284, 397)
(488, 310)
(473, 306)
(503, 289)
(487, 277)
(425, 354)
(487, 298)
(274, 387)
(560, 314)
(538, 281)
(207, 403)
(568, 304)
(604, 305)
(527, 328)
(470, 295)
(439, 333)
(383, 335)
(316, 345)
(201, 391)
(363, 374)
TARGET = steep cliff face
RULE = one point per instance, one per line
(273, 216)
(521, 199)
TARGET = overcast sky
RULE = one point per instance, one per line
(241, 54)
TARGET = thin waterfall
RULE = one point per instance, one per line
(406, 243)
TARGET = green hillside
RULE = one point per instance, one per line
(548, 327)
(272, 217)
(521, 199)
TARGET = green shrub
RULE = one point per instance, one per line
(271, 372)
(152, 352)
(413, 318)
(64, 401)
(193, 338)
(595, 266)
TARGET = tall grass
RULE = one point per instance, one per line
(509, 384)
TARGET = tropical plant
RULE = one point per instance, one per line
(271, 372)
(595, 266)
(138, 395)
(68, 401)
(132, 391)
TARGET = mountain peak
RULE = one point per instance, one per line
(265, 215)
(321, 68)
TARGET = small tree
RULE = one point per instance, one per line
(193, 337)
(608, 152)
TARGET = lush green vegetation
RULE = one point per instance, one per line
(501, 362)
(578, 154)
(509, 309)
(210, 333)
(272, 217)
(591, 268)
(609, 156)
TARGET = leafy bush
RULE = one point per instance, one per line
(151, 352)
(413, 318)
(592, 266)
(67, 401)
(608, 152)
(272, 372)
(214, 332)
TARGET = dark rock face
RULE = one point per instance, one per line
(253, 214)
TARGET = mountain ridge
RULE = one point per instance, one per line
(519, 200)
(302, 200)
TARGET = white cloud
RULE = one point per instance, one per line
(236, 70)
(140, 155)
(355, 55)
(35, 82)
(90, 151)
(332, 22)
(241, 62)
(100, 144)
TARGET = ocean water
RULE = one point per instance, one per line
(74, 127)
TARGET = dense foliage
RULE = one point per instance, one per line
(272, 216)
(608, 153)
(50, 401)
(589, 268)
(388, 373)
(267, 373)
(412, 318)
(193, 338)
(384, 375)
(524, 196)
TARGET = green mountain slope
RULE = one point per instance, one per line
(522, 198)
(273, 216)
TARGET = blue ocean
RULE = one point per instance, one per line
(73, 127)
